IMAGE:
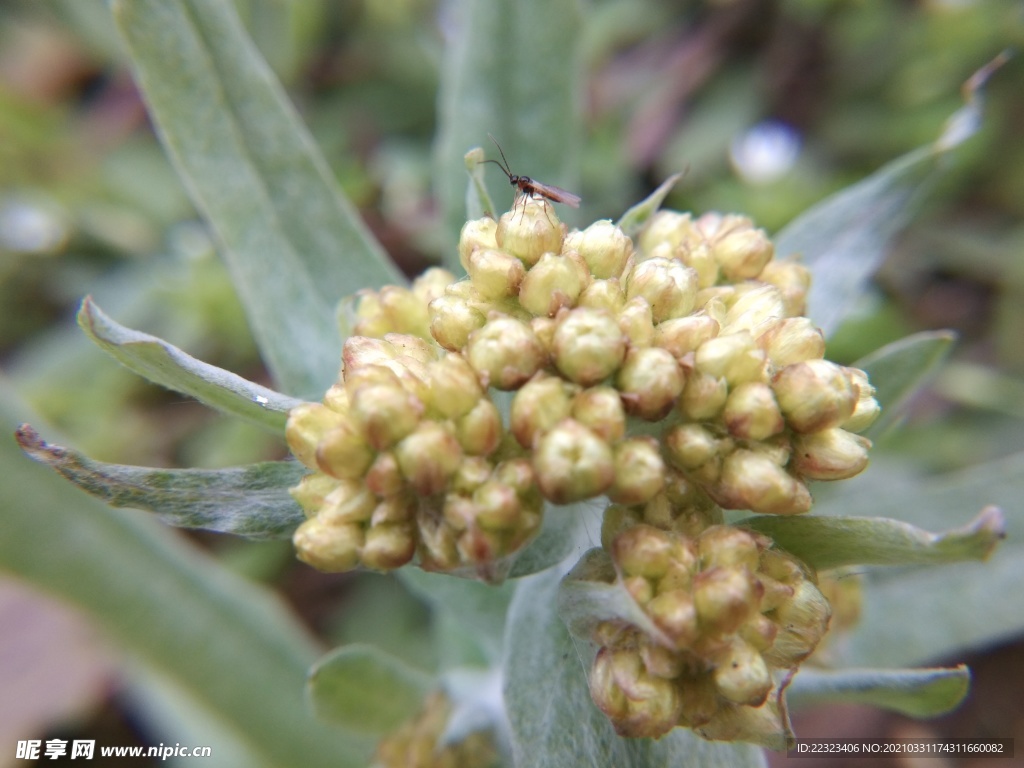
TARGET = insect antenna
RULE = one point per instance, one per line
(506, 167)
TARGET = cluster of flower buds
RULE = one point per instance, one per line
(728, 617)
(418, 742)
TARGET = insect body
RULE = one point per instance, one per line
(532, 187)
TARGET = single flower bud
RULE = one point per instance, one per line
(384, 477)
(803, 621)
(480, 431)
(308, 424)
(725, 598)
(735, 358)
(604, 247)
(600, 410)
(650, 380)
(351, 502)
(674, 614)
(476, 234)
(741, 675)
(814, 395)
(433, 282)
(688, 446)
(572, 463)
(751, 412)
(328, 548)
(385, 414)
(498, 506)
(588, 345)
(437, 544)
(389, 546)
(312, 490)
(682, 335)
(642, 550)
(454, 388)
(753, 310)
(792, 340)
(742, 253)
(703, 396)
(639, 471)
(660, 661)
(343, 452)
(505, 353)
(699, 700)
(729, 547)
(701, 259)
(495, 274)
(603, 294)
(637, 323)
(867, 408)
(538, 406)
(794, 280)
(553, 283)
(751, 480)
(336, 398)
(830, 454)
(665, 226)
(667, 285)
(530, 230)
(428, 458)
(452, 320)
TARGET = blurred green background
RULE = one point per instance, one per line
(768, 106)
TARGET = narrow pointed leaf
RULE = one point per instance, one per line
(365, 689)
(900, 369)
(912, 692)
(830, 542)
(166, 365)
(248, 501)
(293, 243)
(844, 238)
(512, 69)
(635, 218)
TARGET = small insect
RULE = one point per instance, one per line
(532, 187)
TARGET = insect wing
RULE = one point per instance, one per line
(555, 194)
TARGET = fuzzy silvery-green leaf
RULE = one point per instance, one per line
(554, 722)
(166, 365)
(900, 369)
(635, 218)
(913, 692)
(294, 244)
(248, 501)
(845, 238)
(560, 535)
(365, 690)
(512, 69)
(831, 542)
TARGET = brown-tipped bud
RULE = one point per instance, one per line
(428, 458)
(754, 310)
(814, 395)
(498, 505)
(600, 410)
(642, 550)
(688, 446)
(638, 704)
(867, 408)
(506, 353)
(682, 335)
(735, 358)
(700, 701)
(751, 412)
(675, 615)
(538, 406)
(742, 252)
(454, 388)
(588, 345)
(603, 294)
(660, 661)
(803, 621)
(308, 424)
(604, 247)
(639, 471)
(452, 320)
(650, 380)
(479, 432)
(751, 480)
(741, 675)
(351, 502)
(725, 598)
(703, 396)
(792, 340)
(553, 283)
(639, 588)
(343, 453)
(530, 230)
(831, 454)
(667, 285)
(572, 463)
(389, 546)
(760, 631)
(637, 323)
(495, 274)
(385, 414)
(312, 490)
(384, 477)
(729, 547)
(473, 472)
(794, 280)
(476, 234)
(328, 548)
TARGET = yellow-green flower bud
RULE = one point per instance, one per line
(530, 230)
(700, 258)
(385, 414)
(454, 388)
(307, 425)
(649, 705)
(760, 631)
(792, 340)
(650, 380)
(735, 358)
(343, 453)
(661, 661)
(389, 546)
(754, 309)
(682, 335)
(351, 502)
(498, 505)
(452, 320)
(830, 454)
(703, 396)
(639, 471)
(495, 274)
(667, 285)
(572, 463)
(505, 352)
(603, 294)
(433, 282)
(588, 345)
(554, 282)
(674, 614)
(794, 280)
(642, 550)
(637, 323)
(741, 675)
(688, 446)
(742, 252)
(639, 588)
(725, 598)
(867, 408)
(600, 410)
(604, 247)
(700, 701)
(438, 550)
(729, 547)
(751, 412)
(803, 621)
(814, 395)
(751, 480)
(479, 432)
(328, 548)
(538, 406)
(476, 234)
(336, 398)
(384, 477)
(429, 457)
(312, 490)
(665, 226)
